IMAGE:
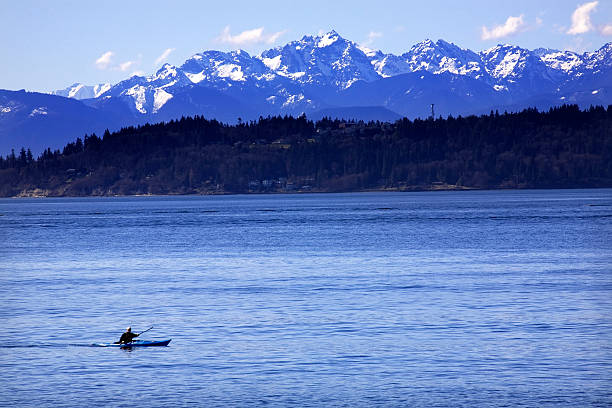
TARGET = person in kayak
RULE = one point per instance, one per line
(127, 337)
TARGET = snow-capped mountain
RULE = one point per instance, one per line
(327, 60)
(563, 61)
(313, 72)
(81, 91)
(599, 60)
(328, 73)
(435, 57)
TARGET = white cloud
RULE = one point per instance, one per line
(137, 73)
(581, 18)
(164, 56)
(272, 38)
(124, 66)
(371, 37)
(606, 30)
(511, 26)
(254, 36)
(105, 60)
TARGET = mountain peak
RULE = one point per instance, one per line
(441, 42)
(242, 53)
(287, 75)
(324, 71)
(328, 39)
(165, 71)
(423, 46)
(331, 33)
(449, 46)
(505, 47)
(82, 91)
(605, 49)
(540, 52)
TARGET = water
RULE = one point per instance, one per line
(417, 299)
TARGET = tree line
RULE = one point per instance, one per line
(564, 147)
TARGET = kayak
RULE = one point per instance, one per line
(137, 343)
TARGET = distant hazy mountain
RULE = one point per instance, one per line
(37, 120)
(80, 91)
(318, 75)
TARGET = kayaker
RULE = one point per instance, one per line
(128, 336)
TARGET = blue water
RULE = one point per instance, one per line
(434, 299)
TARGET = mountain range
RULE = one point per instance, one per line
(322, 75)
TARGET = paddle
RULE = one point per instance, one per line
(145, 331)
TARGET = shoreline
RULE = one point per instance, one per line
(445, 188)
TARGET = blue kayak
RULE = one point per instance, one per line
(137, 343)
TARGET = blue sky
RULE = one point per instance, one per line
(48, 45)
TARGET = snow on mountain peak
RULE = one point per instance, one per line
(101, 89)
(505, 60)
(223, 66)
(369, 51)
(232, 71)
(196, 77)
(423, 46)
(561, 60)
(329, 61)
(435, 57)
(76, 88)
(541, 52)
(166, 71)
(272, 63)
(138, 94)
(600, 58)
(328, 39)
(82, 91)
(160, 98)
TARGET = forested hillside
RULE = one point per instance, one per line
(563, 147)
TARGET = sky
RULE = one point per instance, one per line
(48, 45)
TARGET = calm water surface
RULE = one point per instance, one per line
(417, 299)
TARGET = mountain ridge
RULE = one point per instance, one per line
(327, 72)
(306, 61)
